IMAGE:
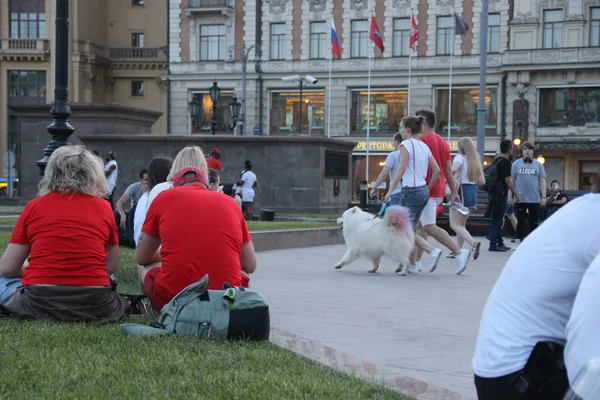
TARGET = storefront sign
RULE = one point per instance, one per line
(387, 146)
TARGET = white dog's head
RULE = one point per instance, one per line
(354, 215)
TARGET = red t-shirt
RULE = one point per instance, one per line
(202, 232)
(68, 235)
(213, 163)
(441, 153)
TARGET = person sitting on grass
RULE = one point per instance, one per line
(64, 247)
(191, 231)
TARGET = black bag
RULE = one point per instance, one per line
(545, 375)
(491, 177)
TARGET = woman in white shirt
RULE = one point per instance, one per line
(248, 183)
(467, 170)
(392, 162)
(158, 170)
(415, 161)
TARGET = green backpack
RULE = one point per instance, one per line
(231, 313)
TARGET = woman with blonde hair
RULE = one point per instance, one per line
(64, 246)
(191, 156)
(468, 172)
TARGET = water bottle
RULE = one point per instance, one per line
(458, 207)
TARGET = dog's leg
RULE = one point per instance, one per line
(347, 259)
(376, 262)
(402, 269)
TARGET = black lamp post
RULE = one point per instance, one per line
(194, 107)
(215, 91)
(234, 110)
(59, 129)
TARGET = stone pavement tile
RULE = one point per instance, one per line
(422, 327)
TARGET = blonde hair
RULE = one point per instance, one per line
(73, 169)
(466, 147)
(191, 156)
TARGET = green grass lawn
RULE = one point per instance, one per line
(78, 361)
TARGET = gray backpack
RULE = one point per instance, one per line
(231, 313)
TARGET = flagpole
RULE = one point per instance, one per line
(329, 97)
(450, 87)
(409, 78)
(368, 116)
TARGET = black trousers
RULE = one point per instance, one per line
(503, 388)
(524, 211)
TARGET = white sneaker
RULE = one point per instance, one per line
(418, 266)
(462, 259)
(434, 259)
(412, 269)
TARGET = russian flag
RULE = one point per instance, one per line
(335, 45)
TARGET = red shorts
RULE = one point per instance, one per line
(158, 302)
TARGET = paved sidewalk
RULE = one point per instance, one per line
(419, 326)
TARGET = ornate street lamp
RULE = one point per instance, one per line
(234, 110)
(215, 92)
(59, 129)
(194, 107)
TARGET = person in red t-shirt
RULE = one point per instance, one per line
(191, 231)
(64, 246)
(441, 152)
(213, 159)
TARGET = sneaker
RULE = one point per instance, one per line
(412, 269)
(140, 305)
(462, 259)
(451, 255)
(476, 249)
(498, 248)
(434, 259)
(418, 265)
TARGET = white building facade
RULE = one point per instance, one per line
(543, 73)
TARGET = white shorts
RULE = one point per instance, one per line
(429, 212)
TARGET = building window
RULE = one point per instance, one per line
(493, 33)
(464, 110)
(137, 2)
(569, 106)
(595, 26)
(27, 19)
(212, 42)
(26, 87)
(387, 109)
(318, 39)
(359, 38)
(401, 37)
(286, 109)
(588, 174)
(445, 27)
(137, 88)
(202, 122)
(277, 41)
(553, 25)
(137, 40)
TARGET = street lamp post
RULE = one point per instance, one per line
(215, 92)
(59, 129)
(245, 53)
(300, 110)
(194, 107)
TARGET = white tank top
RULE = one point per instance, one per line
(418, 163)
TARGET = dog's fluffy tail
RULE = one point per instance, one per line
(399, 217)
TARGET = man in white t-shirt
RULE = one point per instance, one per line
(533, 298)
(110, 171)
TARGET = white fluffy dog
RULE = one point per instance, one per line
(371, 237)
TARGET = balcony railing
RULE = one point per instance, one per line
(24, 46)
(566, 55)
(210, 4)
(136, 54)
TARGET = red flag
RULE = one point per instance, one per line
(375, 34)
(414, 33)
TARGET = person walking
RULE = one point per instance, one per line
(468, 173)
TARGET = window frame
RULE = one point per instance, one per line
(280, 39)
(40, 87)
(401, 36)
(203, 126)
(597, 27)
(443, 128)
(39, 21)
(491, 29)
(222, 39)
(320, 53)
(352, 123)
(138, 3)
(135, 42)
(294, 128)
(448, 36)
(362, 37)
(554, 27)
(135, 94)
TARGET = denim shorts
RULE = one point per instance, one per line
(395, 199)
(415, 199)
(468, 195)
(8, 286)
